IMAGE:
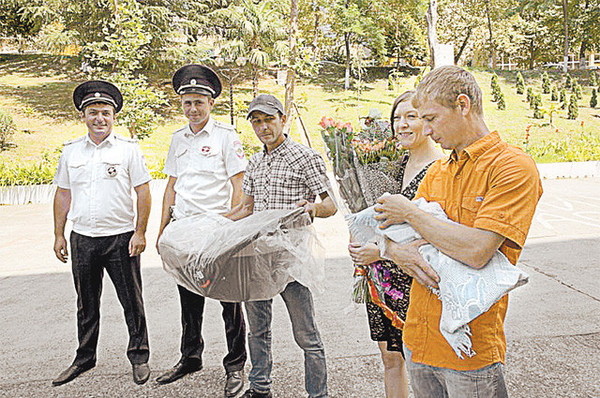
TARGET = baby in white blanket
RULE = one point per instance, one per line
(465, 292)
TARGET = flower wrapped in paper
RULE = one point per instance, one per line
(465, 292)
(365, 167)
(250, 259)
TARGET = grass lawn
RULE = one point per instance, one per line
(36, 91)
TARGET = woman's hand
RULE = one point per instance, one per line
(363, 255)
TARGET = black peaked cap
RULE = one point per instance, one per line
(95, 91)
(198, 79)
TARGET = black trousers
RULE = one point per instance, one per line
(90, 257)
(192, 343)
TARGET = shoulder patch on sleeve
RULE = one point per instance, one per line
(73, 141)
(224, 125)
(179, 130)
(126, 139)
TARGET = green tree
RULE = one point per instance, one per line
(594, 98)
(460, 23)
(545, 83)
(573, 110)
(357, 24)
(496, 91)
(578, 91)
(405, 39)
(120, 56)
(554, 93)
(85, 22)
(254, 31)
(16, 22)
(532, 33)
(501, 102)
(7, 129)
(593, 79)
(537, 107)
(520, 83)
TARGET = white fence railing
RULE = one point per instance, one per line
(591, 62)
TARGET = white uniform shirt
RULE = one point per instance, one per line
(203, 164)
(100, 178)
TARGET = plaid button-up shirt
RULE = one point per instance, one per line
(289, 173)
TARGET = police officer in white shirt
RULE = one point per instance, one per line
(95, 176)
(205, 165)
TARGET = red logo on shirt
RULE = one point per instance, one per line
(205, 149)
(239, 149)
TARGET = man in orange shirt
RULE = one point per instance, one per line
(491, 190)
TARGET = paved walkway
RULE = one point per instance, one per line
(553, 323)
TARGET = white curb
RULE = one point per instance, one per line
(44, 193)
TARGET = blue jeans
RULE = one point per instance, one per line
(300, 306)
(429, 381)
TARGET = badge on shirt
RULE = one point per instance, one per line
(239, 149)
(111, 171)
(205, 150)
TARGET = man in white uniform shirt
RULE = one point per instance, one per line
(95, 176)
(205, 165)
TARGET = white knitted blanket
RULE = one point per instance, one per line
(465, 292)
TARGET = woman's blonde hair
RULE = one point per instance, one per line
(445, 84)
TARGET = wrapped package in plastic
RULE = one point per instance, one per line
(465, 292)
(250, 259)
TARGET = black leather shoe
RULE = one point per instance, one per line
(183, 367)
(141, 372)
(70, 373)
(255, 394)
(234, 383)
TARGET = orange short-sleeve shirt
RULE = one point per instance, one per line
(489, 185)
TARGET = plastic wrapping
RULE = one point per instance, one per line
(250, 259)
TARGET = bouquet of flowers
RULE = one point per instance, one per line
(365, 168)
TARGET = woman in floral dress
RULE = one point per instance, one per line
(386, 314)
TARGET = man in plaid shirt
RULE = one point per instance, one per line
(284, 175)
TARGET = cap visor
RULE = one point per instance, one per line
(266, 109)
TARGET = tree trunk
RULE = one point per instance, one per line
(116, 3)
(582, 50)
(566, 22)
(231, 113)
(291, 72)
(463, 45)
(584, 44)
(431, 18)
(397, 44)
(254, 81)
(347, 45)
(315, 41)
(531, 54)
(492, 49)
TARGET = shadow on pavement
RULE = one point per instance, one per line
(553, 334)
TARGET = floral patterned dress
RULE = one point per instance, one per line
(395, 283)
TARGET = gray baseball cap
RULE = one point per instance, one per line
(265, 103)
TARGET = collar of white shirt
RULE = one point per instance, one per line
(208, 128)
(108, 140)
